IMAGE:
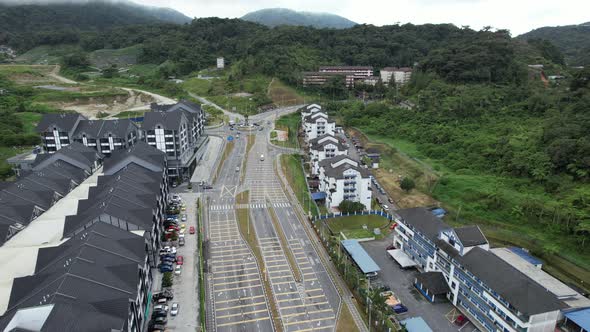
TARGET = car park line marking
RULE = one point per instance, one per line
(235, 282)
(285, 300)
(311, 279)
(302, 305)
(282, 283)
(234, 255)
(225, 261)
(241, 247)
(311, 320)
(236, 276)
(306, 268)
(240, 298)
(304, 263)
(287, 270)
(243, 321)
(288, 293)
(237, 288)
(304, 313)
(309, 273)
(237, 270)
(240, 306)
(314, 297)
(313, 290)
(315, 328)
(278, 265)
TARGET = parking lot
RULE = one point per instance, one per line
(401, 283)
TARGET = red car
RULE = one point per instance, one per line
(191, 230)
(179, 260)
(174, 227)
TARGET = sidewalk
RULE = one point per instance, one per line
(205, 166)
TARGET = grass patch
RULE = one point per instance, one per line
(289, 123)
(29, 121)
(345, 322)
(46, 54)
(129, 114)
(122, 57)
(249, 144)
(352, 226)
(283, 95)
(291, 166)
(249, 235)
(214, 115)
(229, 147)
(290, 258)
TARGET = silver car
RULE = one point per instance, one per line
(174, 310)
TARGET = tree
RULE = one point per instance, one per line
(347, 206)
(407, 184)
(76, 60)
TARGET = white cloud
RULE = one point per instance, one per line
(518, 16)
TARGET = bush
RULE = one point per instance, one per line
(167, 279)
(407, 184)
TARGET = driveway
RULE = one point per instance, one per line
(401, 283)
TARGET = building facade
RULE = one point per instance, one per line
(176, 130)
(342, 178)
(324, 147)
(492, 293)
(399, 76)
(105, 136)
(357, 71)
(318, 124)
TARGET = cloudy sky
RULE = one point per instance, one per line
(518, 16)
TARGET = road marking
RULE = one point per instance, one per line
(278, 265)
(236, 276)
(304, 313)
(237, 288)
(313, 297)
(240, 306)
(311, 279)
(234, 255)
(285, 300)
(282, 283)
(234, 282)
(279, 271)
(226, 261)
(240, 298)
(236, 270)
(243, 321)
(302, 305)
(309, 273)
(315, 328)
(311, 320)
(313, 290)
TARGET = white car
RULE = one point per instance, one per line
(161, 307)
(174, 310)
(173, 250)
(385, 207)
(184, 217)
(178, 270)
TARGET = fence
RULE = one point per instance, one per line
(384, 214)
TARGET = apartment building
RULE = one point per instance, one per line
(324, 147)
(309, 110)
(318, 124)
(53, 176)
(315, 78)
(96, 281)
(492, 293)
(399, 76)
(357, 71)
(342, 178)
(176, 130)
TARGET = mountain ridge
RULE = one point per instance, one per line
(273, 17)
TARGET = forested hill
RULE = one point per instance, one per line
(273, 17)
(572, 40)
(66, 17)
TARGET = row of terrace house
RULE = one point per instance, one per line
(338, 176)
(85, 263)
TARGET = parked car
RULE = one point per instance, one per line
(174, 310)
(159, 313)
(178, 270)
(179, 260)
(161, 307)
(156, 327)
(183, 217)
(207, 187)
(167, 294)
(399, 308)
(182, 226)
(191, 230)
(385, 207)
(166, 268)
(390, 200)
(181, 241)
(160, 320)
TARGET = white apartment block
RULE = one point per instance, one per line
(342, 178)
(399, 76)
(318, 124)
(324, 147)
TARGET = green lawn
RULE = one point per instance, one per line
(289, 123)
(352, 226)
(291, 165)
(129, 114)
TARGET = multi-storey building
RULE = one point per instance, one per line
(105, 136)
(492, 293)
(324, 147)
(399, 76)
(176, 130)
(357, 71)
(309, 110)
(315, 78)
(342, 178)
(318, 124)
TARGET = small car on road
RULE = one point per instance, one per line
(179, 260)
(191, 230)
(174, 310)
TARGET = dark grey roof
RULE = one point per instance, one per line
(520, 291)
(77, 154)
(184, 104)
(310, 119)
(470, 236)
(424, 221)
(141, 152)
(102, 128)
(65, 122)
(319, 138)
(338, 172)
(320, 146)
(168, 120)
(434, 282)
(96, 272)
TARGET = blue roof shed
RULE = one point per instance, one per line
(416, 324)
(580, 317)
(360, 256)
(526, 256)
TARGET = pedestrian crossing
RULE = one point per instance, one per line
(225, 207)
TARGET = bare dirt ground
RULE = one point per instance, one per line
(282, 136)
(91, 108)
